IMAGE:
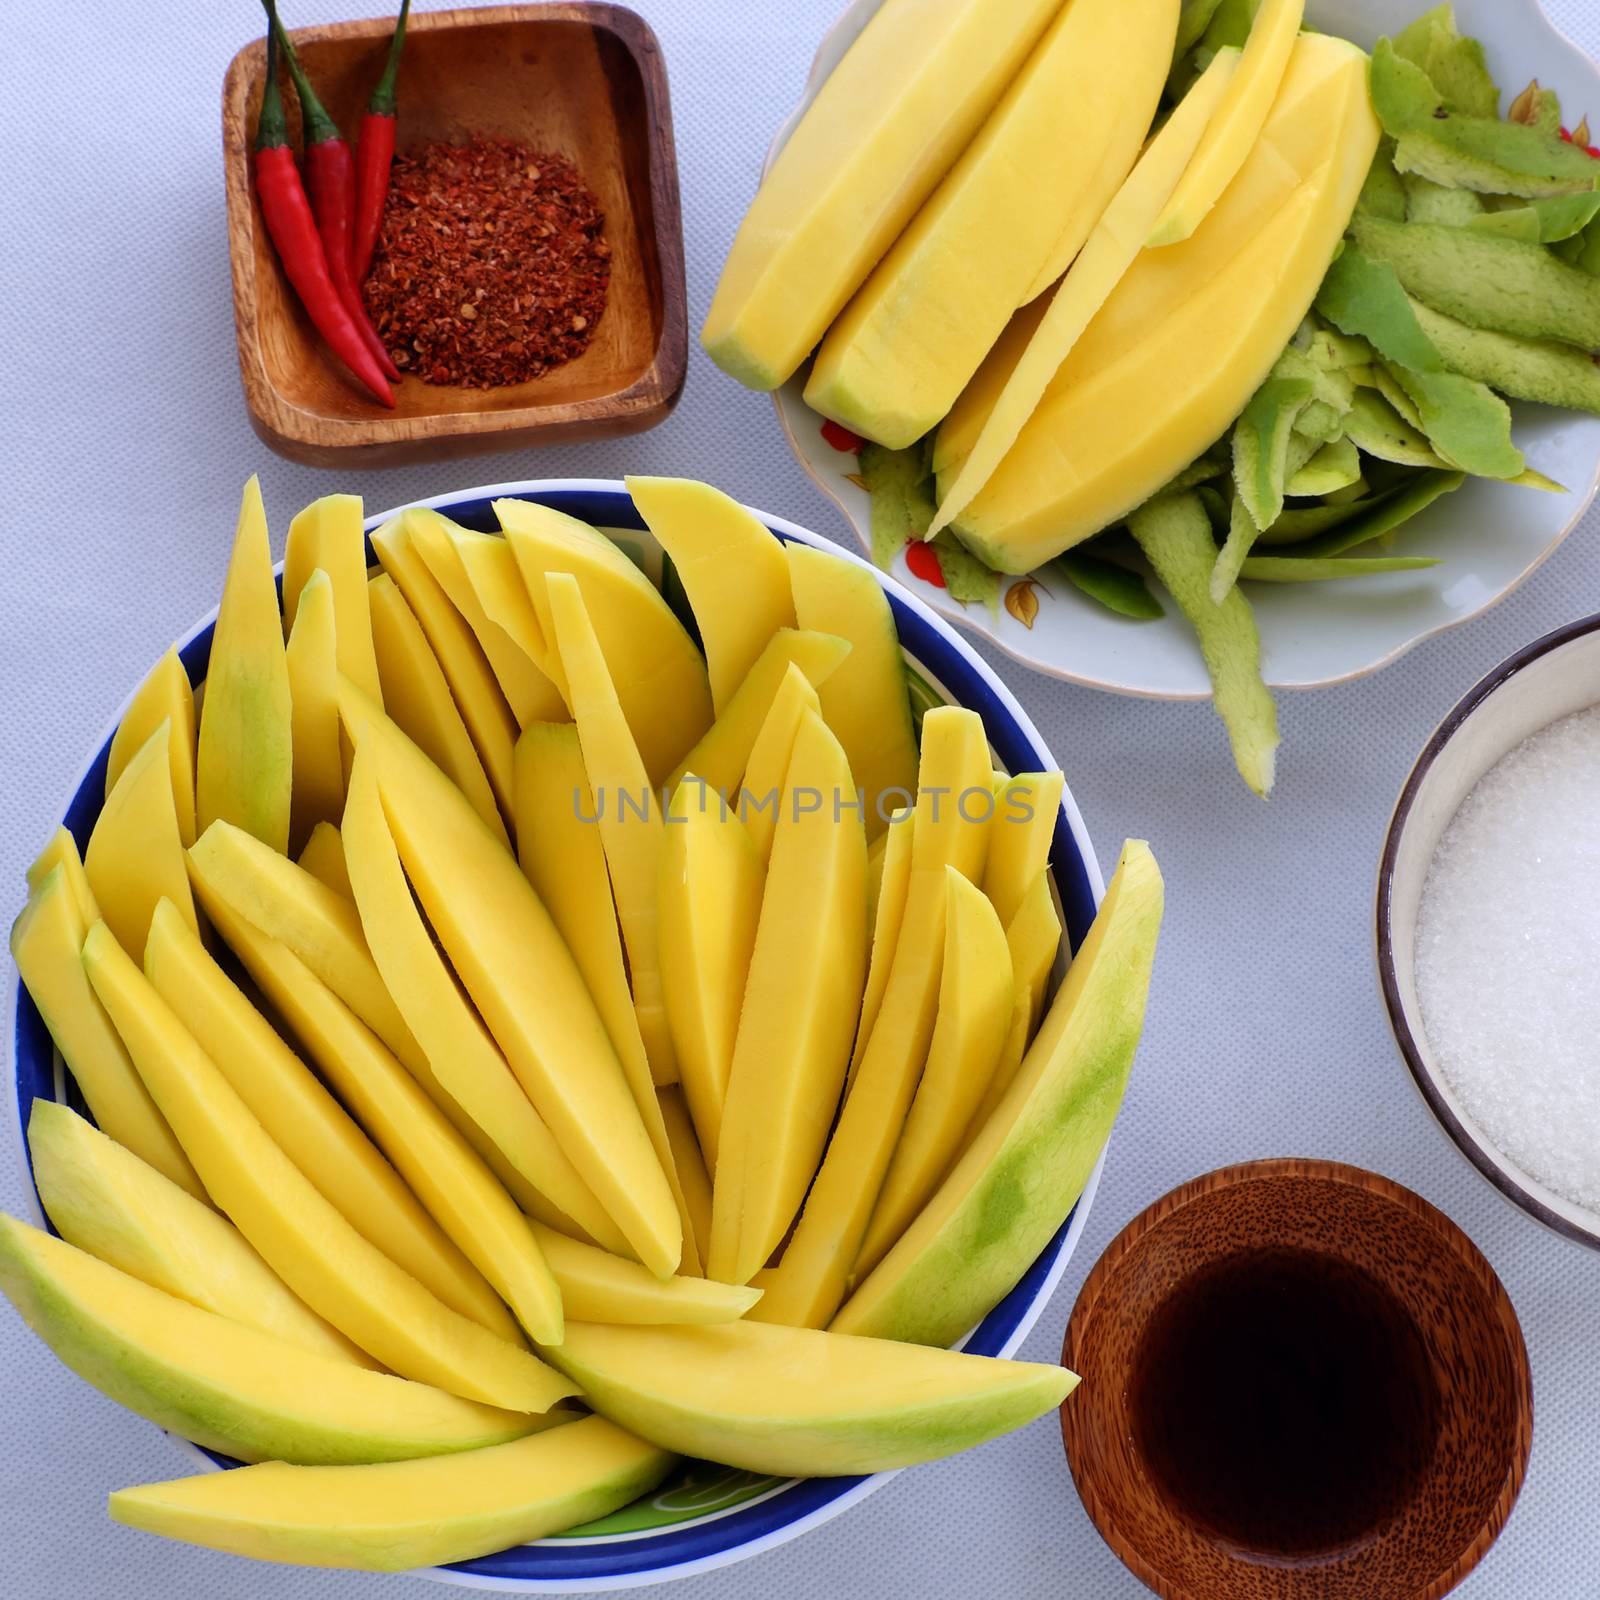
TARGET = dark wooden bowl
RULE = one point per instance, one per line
(1465, 1480)
(584, 80)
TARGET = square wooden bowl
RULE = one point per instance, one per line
(583, 80)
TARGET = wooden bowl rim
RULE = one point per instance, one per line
(305, 435)
(1444, 1230)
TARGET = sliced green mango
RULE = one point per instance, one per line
(1261, 446)
(1455, 64)
(1116, 588)
(1427, 201)
(1469, 424)
(1384, 193)
(1375, 427)
(1335, 466)
(1298, 569)
(1385, 517)
(1364, 298)
(1524, 369)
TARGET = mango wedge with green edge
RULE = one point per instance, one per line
(45, 944)
(801, 1003)
(222, 1384)
(794, 1401)
(417, 695)
(61, 850)
(1003, 224)
(298, 1233)
(106, 1201)
(690, 1174)
(969, 1032)
(466, 669)
(312, 654)
(813, 1276)
(760, 796)
(1200, 307)
(1233, 133)
(135, 854)
(395, 1516)
(244, 758)
(1022, 1174)
(299, 1113)
(1027, 808)
(659, 675)
(629, 817)
(164, 696)
(864, 700)
(1112, 247)
(468, 1069)
(323, 858)
(720, 756)
(709, 903)
(328, 536)
(522, 979)
(529, 691)
(564, 859)
(731, 567)
(887, 913)
(886, 126)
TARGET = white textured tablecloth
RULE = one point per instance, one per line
(123, 444)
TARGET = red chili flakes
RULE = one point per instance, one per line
(492, 264)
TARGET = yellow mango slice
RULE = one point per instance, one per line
(801, 1002)
(959, 431)
(689, 1170)
(164, 696)
(1077, 467)
(469, 1071)
(417, 695)
(812, 1278)
(522, 979)
(336, 1271)
(630, 825)
(443, 1171)
(599, 1287)
(884, 129)
(298, 1113)
(1022, 1174)
(466, 669)
(864, 700)
(323, 858)
(564, 859)
(761, 794)
(709, 901)
(135, 854)
(1112, 248)
(1027, 808)
(659, 675)
(491, 568)
(244, 756)
(969, 1031)
(45, 944)
(328, 537)
(312, 654)
(732, 569)
(887, 911)
(1010, 215)
(220, 1383)
(720, 758)
(532, 696)
(1238, 122)
(62, 851)
(398, 1515)
(105, 1200)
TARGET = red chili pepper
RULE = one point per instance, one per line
(375, 155)
(293, 230)
(923, 561)
(331, 187)
(841, 438)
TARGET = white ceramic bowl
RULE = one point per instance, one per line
(1552, 678)
(1489, 536)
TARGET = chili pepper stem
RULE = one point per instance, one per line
(383, 97)
(319, 126)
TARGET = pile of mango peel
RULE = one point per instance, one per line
(1094, 326)
(534, 1033)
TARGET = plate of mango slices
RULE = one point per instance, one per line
(570, 1032)
(1187, 349)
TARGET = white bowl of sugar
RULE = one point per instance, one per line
(1489, 928)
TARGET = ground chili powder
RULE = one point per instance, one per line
(492, 265)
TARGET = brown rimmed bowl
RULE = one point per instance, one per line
(1549, 679)
(1471, 1361)
(584, 80)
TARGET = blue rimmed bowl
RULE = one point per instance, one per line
(704, 1516)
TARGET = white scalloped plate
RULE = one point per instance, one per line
(1489, 537)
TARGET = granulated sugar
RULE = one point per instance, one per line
(1508, 956)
